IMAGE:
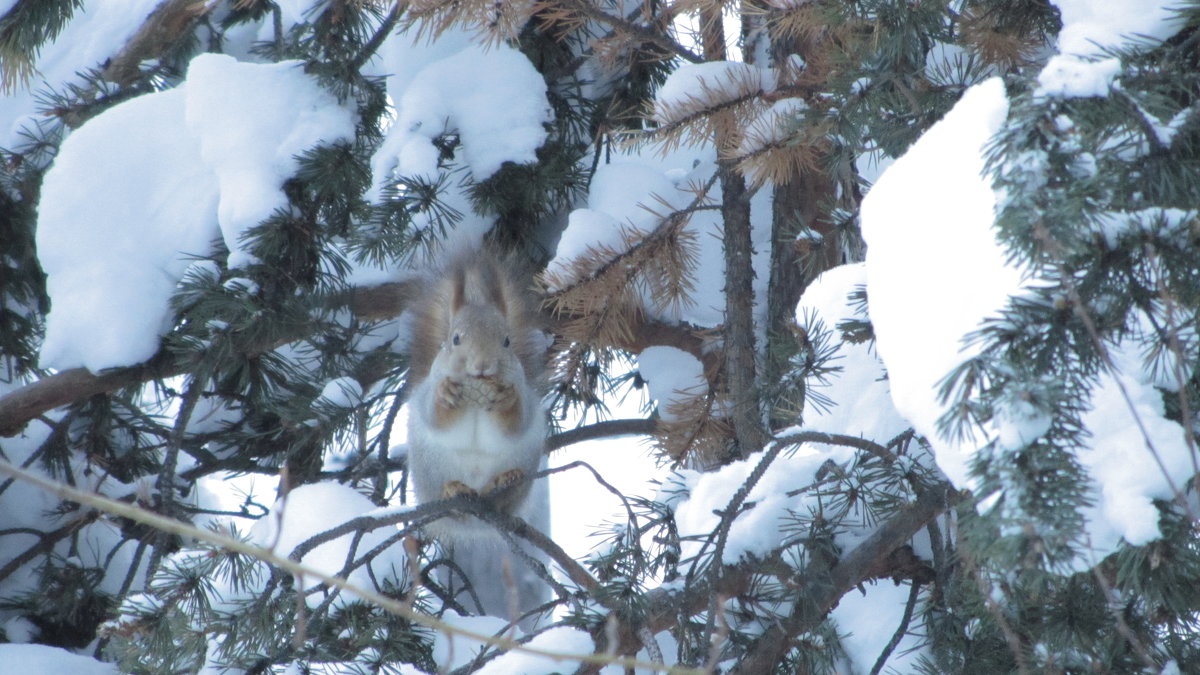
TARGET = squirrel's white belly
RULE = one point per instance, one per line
(477, 446)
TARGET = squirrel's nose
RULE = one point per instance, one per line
(482, 368)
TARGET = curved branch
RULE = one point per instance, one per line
(605, 429)
(47, 543)
(519, 528)
(838, 439)
(913, 591)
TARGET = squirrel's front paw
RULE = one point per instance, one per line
(456, 488)
(499, 396)
(450, 393)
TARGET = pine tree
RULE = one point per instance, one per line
(282, 358)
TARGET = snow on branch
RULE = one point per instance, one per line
(703, 102)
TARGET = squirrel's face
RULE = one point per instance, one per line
(479, 343)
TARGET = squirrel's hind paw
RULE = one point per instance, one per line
(504, 480)
(456, 488)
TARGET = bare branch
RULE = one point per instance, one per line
(913, 591)
(19, 407)
(605, 429)
(36, 398)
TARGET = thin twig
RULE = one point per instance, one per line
(901, 630)
(380, 36)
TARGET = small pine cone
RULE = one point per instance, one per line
(484, 392)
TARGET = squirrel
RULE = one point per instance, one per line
(475, 423)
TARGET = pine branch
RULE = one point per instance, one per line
(621, 263)
(824, 586)
(631, 29)
(884, 553)
(45, 544)
(381, 35)
(169, 23)
(24, 28)
(901, 630)
(518, 527)
(19, 407)
(855, 442)
(605, 429)
(591, 432)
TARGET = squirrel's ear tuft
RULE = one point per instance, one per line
(496, 286)
(458, 289)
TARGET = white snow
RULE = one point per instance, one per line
(862, 408)
(312, 509)
(1090, 27)
(674, 376)
(1121, 460)
(1089, 30)
(451, 650)
(461, 93)
(97, 31)
(50, 661)
(212, 157)
(580, 504)
(341, 392)
(20, 630)
(117, 223)
(934, 269)
(935, 272)
(860, 391)
(251, 120)
(1069, 76)
(623, 197)
(586, 228)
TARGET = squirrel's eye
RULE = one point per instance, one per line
(506, 341)
(456, 339)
